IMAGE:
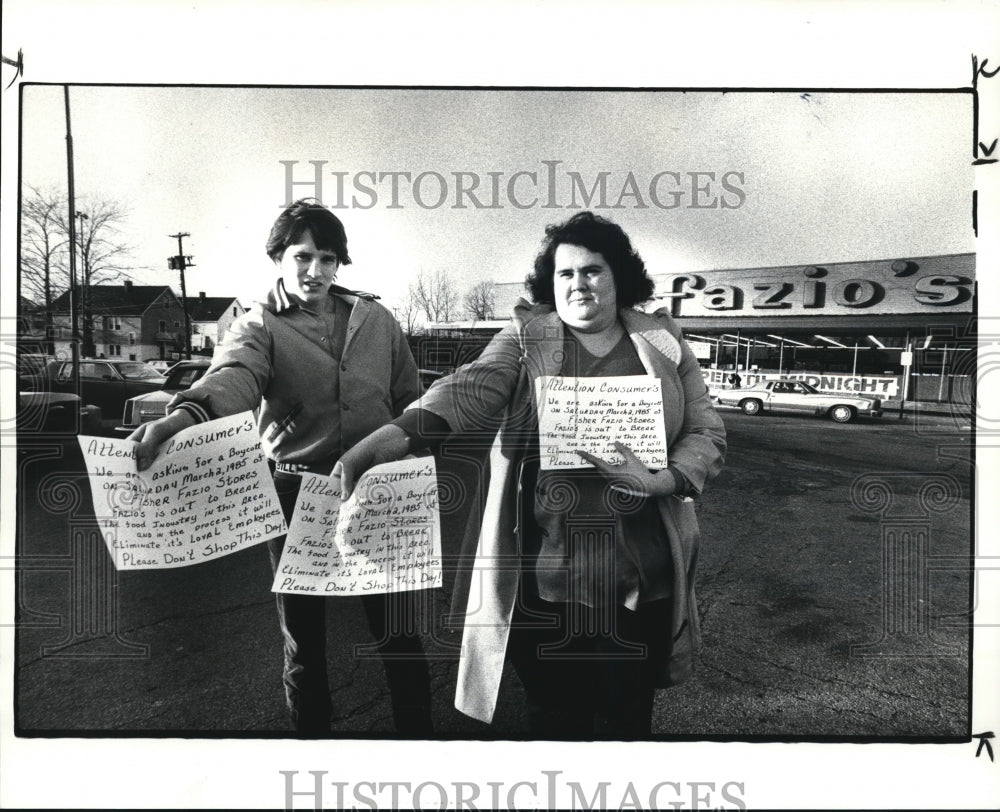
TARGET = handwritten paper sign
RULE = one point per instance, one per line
(590, 414)
(385, 538)
(209, 493)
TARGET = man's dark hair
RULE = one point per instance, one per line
(309, 215)
(600, 235)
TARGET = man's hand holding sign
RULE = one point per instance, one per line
(207, 493)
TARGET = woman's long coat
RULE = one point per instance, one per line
(496, 394)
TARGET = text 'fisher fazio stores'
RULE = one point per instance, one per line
(897, 328)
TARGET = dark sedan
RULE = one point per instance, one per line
(46, 413)
(153, 405)
(106, 383)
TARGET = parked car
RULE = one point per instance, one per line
(55, 413)
(153, 405)
(106, 383)
(429, 376)
(796, 396)
(31, 371)
(160, 365)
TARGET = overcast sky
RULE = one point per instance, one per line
(798, 177)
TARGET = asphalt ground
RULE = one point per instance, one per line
(830, 601)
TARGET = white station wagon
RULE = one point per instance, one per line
(796, 396)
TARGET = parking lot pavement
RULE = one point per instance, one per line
(804, 635)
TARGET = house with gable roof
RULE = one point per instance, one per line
(210, 318)
(128, 321)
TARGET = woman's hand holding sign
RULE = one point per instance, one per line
(387, 444)
(631, 476)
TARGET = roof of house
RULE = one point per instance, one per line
(118, 299)
(208, 308)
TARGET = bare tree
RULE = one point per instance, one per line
(101, 258)
(406, 314)
(481, 301)
(44, 261)
(435, 294)
(42, 268)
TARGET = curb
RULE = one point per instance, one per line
(890, 408)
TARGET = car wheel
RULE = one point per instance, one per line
(751, 406)
(842, 414)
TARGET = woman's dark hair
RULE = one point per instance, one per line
(597, 234)
(309, 215)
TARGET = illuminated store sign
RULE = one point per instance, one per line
(885, 386)
(941, 284)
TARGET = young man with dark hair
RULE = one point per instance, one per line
(325, 366)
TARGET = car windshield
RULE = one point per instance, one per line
(183, 377)
(137, 370)
(810, 389)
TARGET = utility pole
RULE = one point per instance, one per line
(87, 345)
(906, 361)
(179, 263)
(74, 335)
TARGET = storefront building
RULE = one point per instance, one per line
(895, 328)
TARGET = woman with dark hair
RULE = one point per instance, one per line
(600, 236)
(584, 578)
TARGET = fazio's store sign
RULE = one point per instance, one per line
(927, 284)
